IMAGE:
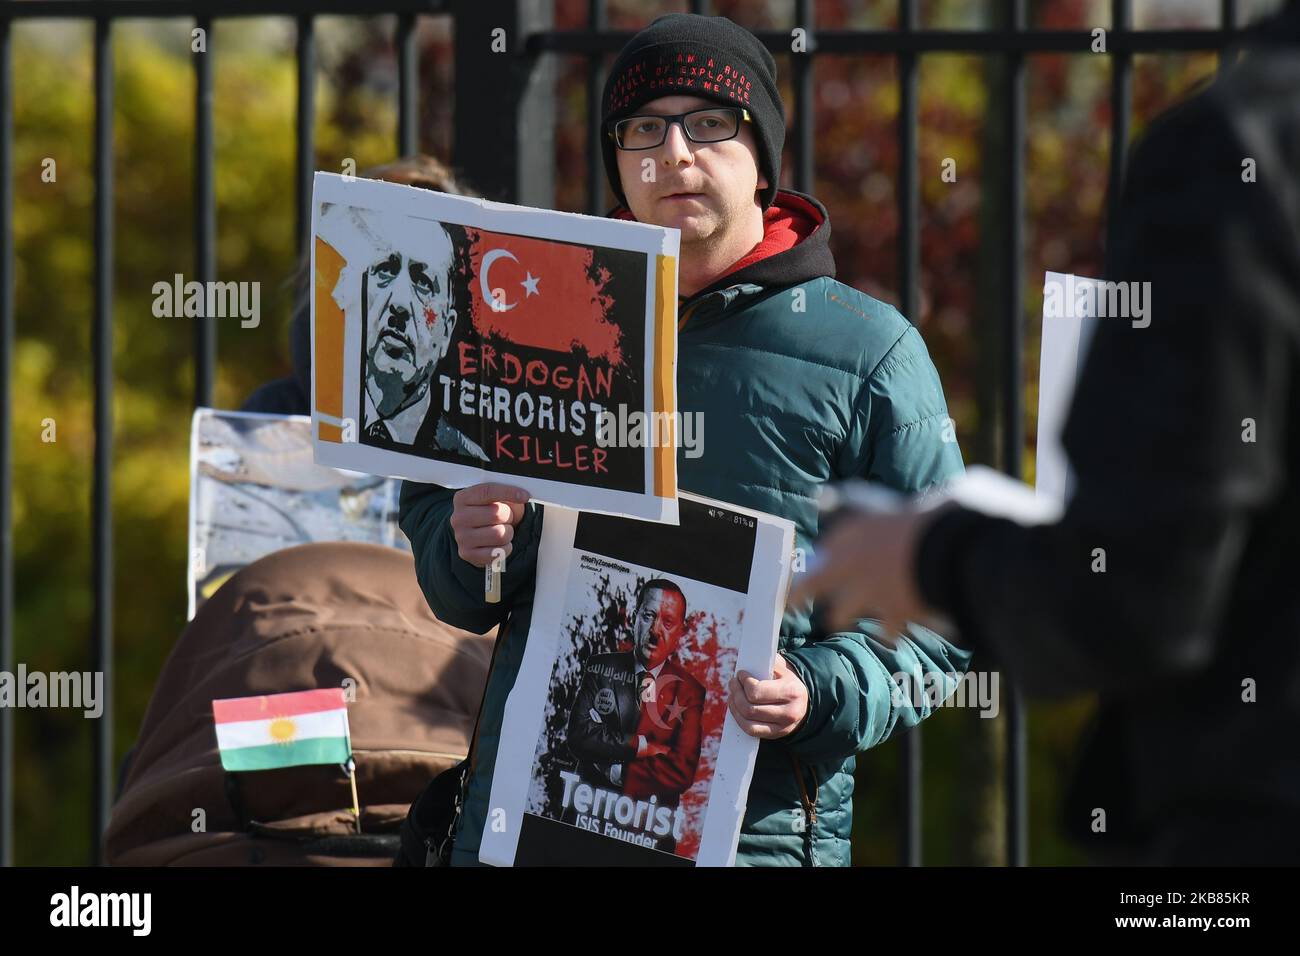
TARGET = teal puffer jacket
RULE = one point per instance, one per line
(802, 380)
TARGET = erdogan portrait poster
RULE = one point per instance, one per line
(458, 340)
(617, 746)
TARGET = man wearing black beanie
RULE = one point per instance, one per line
(801, 380)
(716, 193)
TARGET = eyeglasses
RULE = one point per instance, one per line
(701, 126)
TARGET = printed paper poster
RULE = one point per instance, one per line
(617, 745)
(457, 341)
(255, 488)
(1069, 318)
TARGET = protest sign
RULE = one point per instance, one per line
(255, 488)
(617, 746)
(457, 341)
(1069, 318)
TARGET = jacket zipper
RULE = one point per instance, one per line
(809, 802)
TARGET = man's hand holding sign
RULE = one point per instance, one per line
(484, 518)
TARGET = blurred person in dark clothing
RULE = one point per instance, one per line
(290, 395)
(1184, 437)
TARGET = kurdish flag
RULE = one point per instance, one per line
(283, 730)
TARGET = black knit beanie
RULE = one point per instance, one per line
(682, 54)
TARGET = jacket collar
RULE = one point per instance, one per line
(795, 248)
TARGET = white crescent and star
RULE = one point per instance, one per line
(485, 285)
(674, 709)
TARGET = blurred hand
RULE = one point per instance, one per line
(865, 567)
(483, 518)
(769, 709)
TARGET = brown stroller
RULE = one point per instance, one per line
(320, 615)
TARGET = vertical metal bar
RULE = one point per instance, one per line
(596, 22)
(805, 12)
(6, 440)
(1121, 99)
(205, 213)
(306, 55)
(408, 89)
(1013, 432)
(102, 349)
(909, 257)
(1228, 20)
(504, 127)
(534, 110)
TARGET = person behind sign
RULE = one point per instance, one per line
(636, 723)
(805, 380)
(1184, 438)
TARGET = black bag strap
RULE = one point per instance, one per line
(436, 855)
(492, 663)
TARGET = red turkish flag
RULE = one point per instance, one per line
(544, 293)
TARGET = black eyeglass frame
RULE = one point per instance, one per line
(680, 118)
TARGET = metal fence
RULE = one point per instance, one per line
(499, 115)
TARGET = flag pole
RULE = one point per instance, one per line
(356, 805)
